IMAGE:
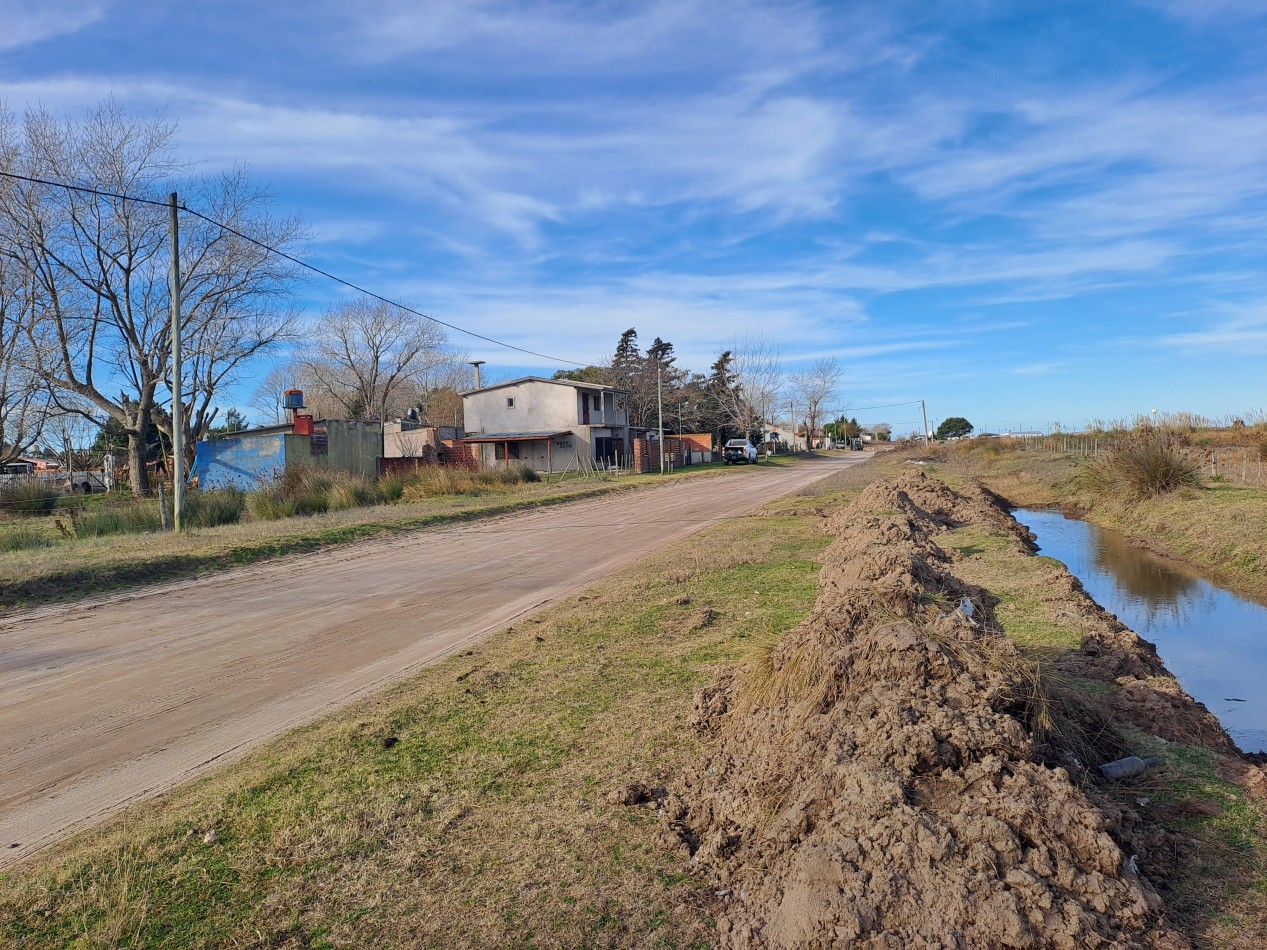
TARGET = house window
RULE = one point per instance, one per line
(499, 450)
(510, 402)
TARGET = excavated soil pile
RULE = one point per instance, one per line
(873, 781)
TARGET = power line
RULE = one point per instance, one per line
(294, 260)
(891, 405)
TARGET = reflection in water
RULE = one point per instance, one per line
(1212, 640)
(1161, 589)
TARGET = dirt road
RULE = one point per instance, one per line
(107, 702)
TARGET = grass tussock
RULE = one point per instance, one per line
(1146, 464)
(440, 480)
(213, 508)
(28, 497)
(22, 536)
(137, 516)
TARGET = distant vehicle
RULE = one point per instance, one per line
(739, 451)
(855, 444)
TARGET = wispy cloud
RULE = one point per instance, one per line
(23, 22)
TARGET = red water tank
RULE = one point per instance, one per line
(303, 425)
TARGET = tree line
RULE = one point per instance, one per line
(742, 391)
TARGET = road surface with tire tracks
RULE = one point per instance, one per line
(108, 701)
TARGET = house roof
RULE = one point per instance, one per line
(516, 436)
(553, 382)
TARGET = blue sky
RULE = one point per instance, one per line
(1024, 213)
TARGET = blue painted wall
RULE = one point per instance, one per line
(244, 462)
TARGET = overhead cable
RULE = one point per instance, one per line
(294, 260)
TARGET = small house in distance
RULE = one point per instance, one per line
(547, 424)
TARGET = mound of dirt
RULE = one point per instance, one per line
(874, 781)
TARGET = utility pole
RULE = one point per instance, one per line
(178, 423)
(659, 398)
(924, 412)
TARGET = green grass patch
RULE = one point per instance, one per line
(135, 516)
(25, 536)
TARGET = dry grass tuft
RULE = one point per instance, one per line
(1146, 464)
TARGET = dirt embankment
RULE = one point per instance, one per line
(894, 773)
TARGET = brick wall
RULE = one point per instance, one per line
(450, 454)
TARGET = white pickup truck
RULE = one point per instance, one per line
(739, 452)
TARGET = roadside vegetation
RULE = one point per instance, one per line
(79, 545)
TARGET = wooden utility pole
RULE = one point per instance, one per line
(178, 424)
(659, 398)
(924, 412)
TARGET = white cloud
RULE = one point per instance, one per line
(550, 37)
(26, 22)
(1239, 331)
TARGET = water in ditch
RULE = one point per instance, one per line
(1214, 642)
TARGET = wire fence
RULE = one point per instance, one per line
(1236, 464)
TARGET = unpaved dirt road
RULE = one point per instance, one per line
(107, 702)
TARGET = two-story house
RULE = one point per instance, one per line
(547, 423)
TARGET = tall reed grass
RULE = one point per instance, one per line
(28, 497)
(1145, 464)
(131, 517)
(211, 508)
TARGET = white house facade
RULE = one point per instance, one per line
(547, 423)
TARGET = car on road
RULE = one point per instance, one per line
(739, 451)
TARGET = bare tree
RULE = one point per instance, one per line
(99, 265)
(268, 397)
(759, 374)
(23, 397)
(234, 292)
(372, 358)
(813, 388)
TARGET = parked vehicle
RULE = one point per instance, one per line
(740, 451)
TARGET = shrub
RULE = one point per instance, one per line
(351, 493)
(269, 504)
(211, 508)
(24, 537)
(132, 517)
(391, 487)
(312, 502)
(1146, 464)
(30, 496)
